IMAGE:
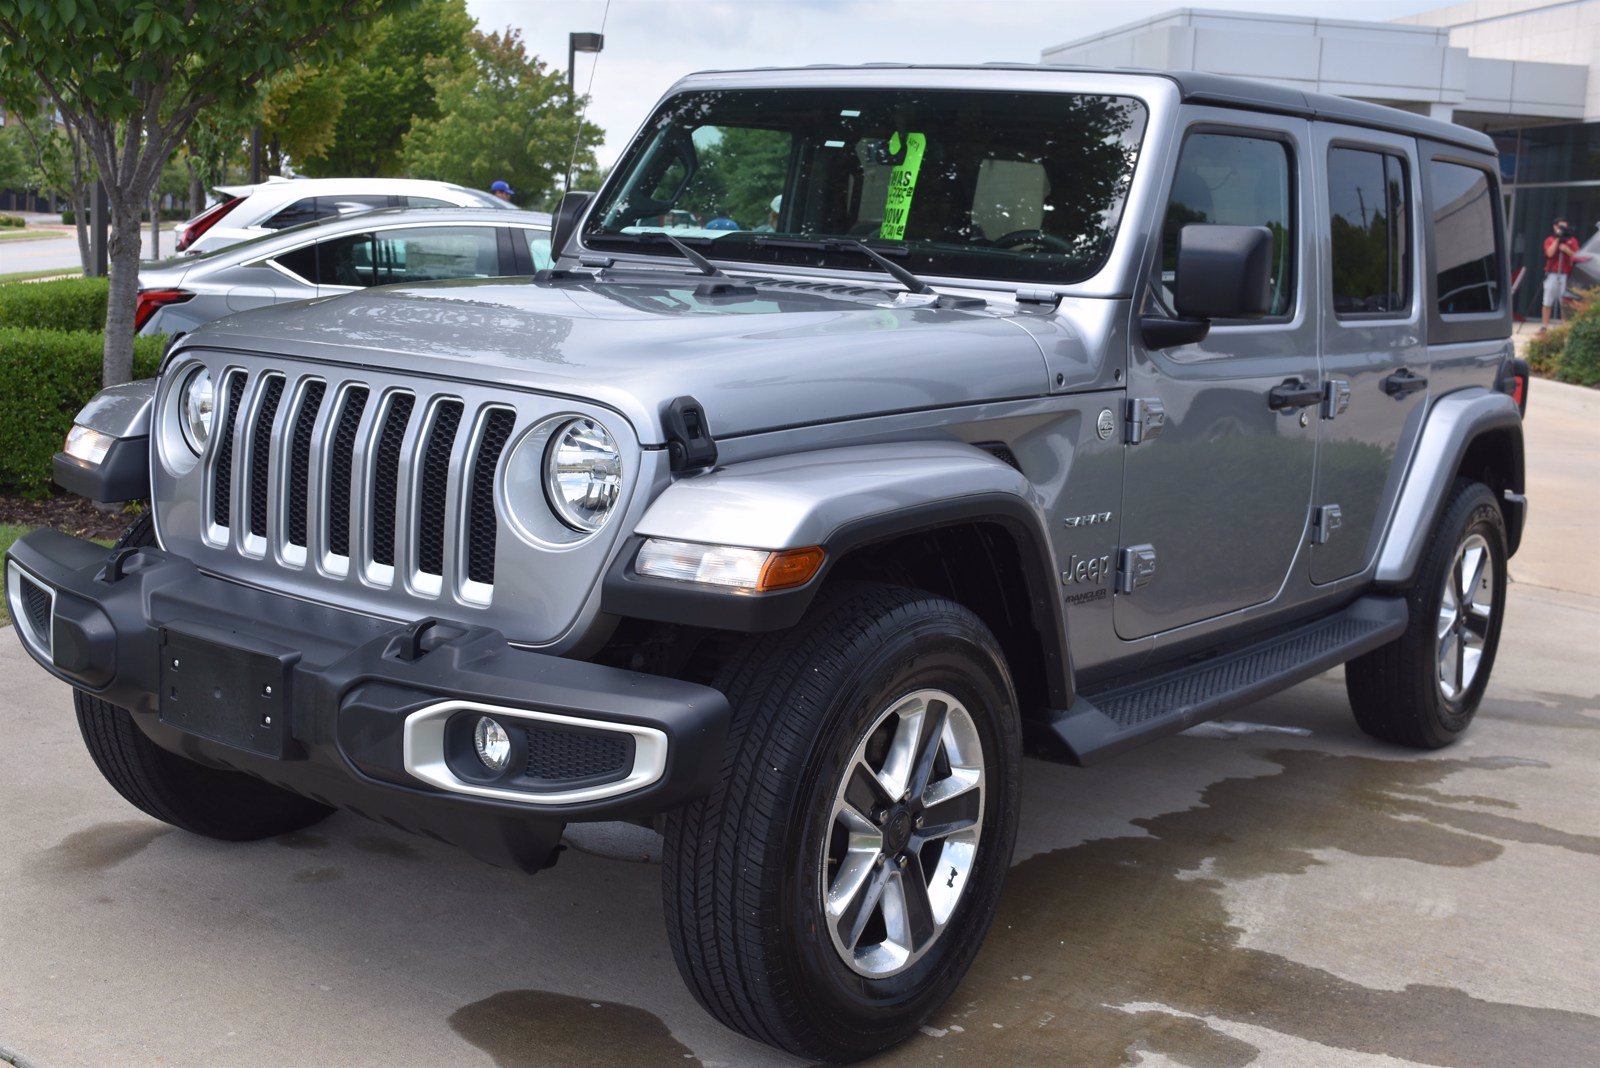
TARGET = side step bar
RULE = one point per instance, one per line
(1103, 724)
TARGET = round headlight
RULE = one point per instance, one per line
(582, 474)
(195, 408)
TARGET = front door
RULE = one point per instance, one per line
(1221, 494)
(1372, 350)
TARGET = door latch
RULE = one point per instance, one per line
(1147, 416)
(1325, 522)
(1335, 398)
(1136, 566)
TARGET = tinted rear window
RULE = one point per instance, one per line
(1467, 265)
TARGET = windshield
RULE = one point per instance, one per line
(995, 185)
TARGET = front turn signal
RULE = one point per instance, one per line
(790, 568)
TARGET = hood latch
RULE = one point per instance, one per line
(690, 446)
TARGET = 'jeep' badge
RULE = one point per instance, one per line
(1106, 425)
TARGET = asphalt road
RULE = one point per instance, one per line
(49, 253)
(1280, 890)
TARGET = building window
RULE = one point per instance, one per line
(1371, 230)
(1238, 181)
(1467, 265)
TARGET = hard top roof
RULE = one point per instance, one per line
(1221, 90)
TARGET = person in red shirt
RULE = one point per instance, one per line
(1560, 253)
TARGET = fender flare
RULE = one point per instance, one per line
(841, 499)
(1454, 422)
(121, 413)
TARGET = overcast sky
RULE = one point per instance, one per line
(652, 43)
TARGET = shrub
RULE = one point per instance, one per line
(45, 377)
(68, 217)
(1544, 350)
(65, 304)
(12, 221)
(1580, 360)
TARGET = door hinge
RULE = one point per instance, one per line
(1335, 398)
(1136, 566)
(1146, 417)
(1325, 522)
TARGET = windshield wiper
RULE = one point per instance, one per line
(850, 244)
(651, 237)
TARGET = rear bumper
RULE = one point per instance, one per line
(358, 712)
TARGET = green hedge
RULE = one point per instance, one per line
(1580, 359)
(12, 221)
(46, 376)
(65, 304)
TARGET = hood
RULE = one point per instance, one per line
(759, 357)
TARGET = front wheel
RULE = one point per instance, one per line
(831, 892)
(1423, 688)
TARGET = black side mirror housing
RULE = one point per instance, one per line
(1224, 272)
(568, 212)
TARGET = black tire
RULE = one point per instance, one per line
(1396, 690)
(744, 867)
(208, 801)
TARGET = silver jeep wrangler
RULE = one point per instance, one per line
(875, 425)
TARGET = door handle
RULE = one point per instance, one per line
(1293, 393)
(1403, 382)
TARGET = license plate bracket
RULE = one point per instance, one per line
(228, 687)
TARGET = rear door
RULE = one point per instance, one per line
(1220, 495)
(1373, 353)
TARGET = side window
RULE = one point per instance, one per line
(430, 253)
(339, 261)
(350, 204)
(426, 202)
(1371, 232)
(301, 211)
(539, 248)
(1237, 181)
(1468, 267)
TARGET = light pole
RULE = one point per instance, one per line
(580, 42)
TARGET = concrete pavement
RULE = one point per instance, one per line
(1278, 890)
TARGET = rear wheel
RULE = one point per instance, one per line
(831, 892)
(1423, 688)
(208, 801)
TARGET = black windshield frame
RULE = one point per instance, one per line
(1051, 170)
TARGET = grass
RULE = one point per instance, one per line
(22, 234)
(10, 532)
(28, 276)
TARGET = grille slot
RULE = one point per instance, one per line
(36, 602)
(222, 483)
(261, 454)
(565, 756)
(386, 476)
(434, 484)
(481, 523)
(339, 464)
(300, 460)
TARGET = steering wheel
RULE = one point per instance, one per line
(1018, 238)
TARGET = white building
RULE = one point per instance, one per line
(1525, 71)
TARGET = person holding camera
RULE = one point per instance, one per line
(1560, 253)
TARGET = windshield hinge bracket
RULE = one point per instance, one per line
(690, 446)
(1048, 298)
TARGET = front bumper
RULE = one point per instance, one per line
(358, 712)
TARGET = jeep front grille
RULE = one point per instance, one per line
(363, 484)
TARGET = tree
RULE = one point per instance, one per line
(503, 116)
(16, 168)
(130, 76)
(383, 87)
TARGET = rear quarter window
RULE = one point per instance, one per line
(1466, 257)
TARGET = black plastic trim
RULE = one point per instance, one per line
(124, 475)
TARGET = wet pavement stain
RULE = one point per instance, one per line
(104, 845)
(302, 840)
(318, 875)
(1550, 710)
(379, 846)
(1124, 944)
(537, 1027)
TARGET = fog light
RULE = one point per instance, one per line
(492, 743)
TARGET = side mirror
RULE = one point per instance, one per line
(1224, 272)
(568, 212)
